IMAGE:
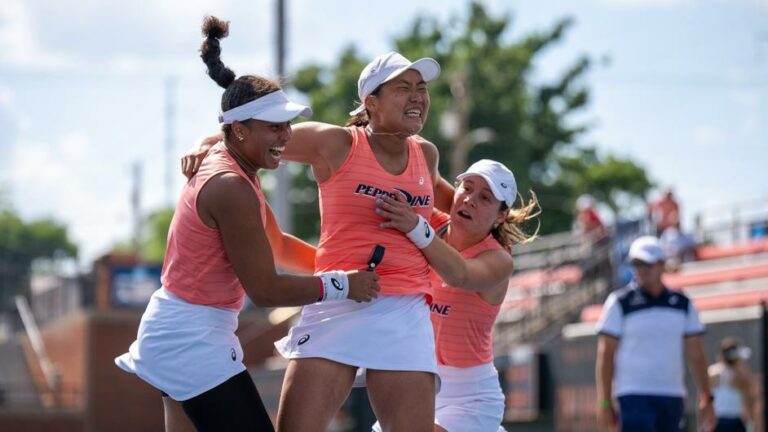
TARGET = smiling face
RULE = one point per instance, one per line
(400, 105)
(263, 142)
(475, 210)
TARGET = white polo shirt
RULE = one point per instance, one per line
(651, 332)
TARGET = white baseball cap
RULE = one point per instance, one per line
(646, 249)
(500, 179)
(387, 66)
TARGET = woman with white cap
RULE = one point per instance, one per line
(377, 152)
(354, 166)
(219, 251)
(471, 264)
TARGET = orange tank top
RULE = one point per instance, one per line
(350, 226)
(196, 267)
(462, 320)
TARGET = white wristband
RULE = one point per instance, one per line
(335, 285)
(422, 235)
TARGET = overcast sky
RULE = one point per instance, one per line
(82, 90)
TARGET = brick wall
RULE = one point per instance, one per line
(64, 342)
(84, 346)
(117, 401)
(36, 421)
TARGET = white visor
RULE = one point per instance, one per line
(274, 107)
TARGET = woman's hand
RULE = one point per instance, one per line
(191, 161)
(363, 285)
(399, 212)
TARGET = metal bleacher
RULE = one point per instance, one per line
(555, 277)
(730, 270)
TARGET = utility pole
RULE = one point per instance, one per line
(454, 126)
(170, 126)
(460, 117)
(136, 206)
(279, 199)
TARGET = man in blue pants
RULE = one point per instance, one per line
(643, 332)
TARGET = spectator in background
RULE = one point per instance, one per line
(643, 332)
(737, 399)
(665, 211)
(679, 246)
(586, 221)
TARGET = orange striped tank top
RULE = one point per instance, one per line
(350, 226)
(462, 320)
(196, 267)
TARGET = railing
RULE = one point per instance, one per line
(15, 395)
(557, 307)
(50, 371)
(550, 251)
(732, 223)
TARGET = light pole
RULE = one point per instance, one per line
(170, 115)
(454, 126)
(279, 199)
(136, 171)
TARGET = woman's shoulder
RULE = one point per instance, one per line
(497, 255)
(427, 147)
(324, 131)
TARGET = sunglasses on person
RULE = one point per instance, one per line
(641, 264)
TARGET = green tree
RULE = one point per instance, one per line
(153, 237)
(486, 93)
(619, 183)
(155, 234)
(20, 243)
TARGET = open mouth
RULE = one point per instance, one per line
(413, 113)
(464, 214)
(277, 151)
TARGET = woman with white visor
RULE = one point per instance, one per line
(218, 251)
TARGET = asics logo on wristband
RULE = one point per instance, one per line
(339, 281)
(421, 237)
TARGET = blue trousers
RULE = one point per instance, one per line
(643, 413)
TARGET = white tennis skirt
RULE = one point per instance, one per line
(470, 399)
(389, 333)
(184, 349)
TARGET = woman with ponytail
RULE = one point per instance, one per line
(219, 251)
(469, 252)
(335, 346)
